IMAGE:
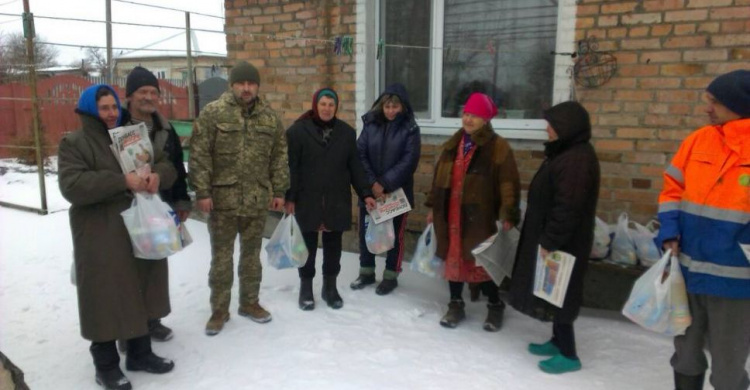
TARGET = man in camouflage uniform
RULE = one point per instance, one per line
(238, 167)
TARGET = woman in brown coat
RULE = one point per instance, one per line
(117, 293)
(476, 183)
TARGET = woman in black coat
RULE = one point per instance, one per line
(560, 217)
(323, 166)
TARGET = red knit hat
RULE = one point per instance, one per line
(480, 105)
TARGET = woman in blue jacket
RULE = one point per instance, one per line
(389, 148)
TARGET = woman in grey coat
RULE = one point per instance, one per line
(117, 293)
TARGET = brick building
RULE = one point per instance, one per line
(667, 51)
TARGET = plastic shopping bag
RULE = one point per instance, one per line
(602, 239)
(623, 246)
(379, 237)
(658, 301)
(153, 226)
(497, 254)
(645, 247)
(424, 260)
(286, 248)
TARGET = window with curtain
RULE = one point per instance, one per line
(498, 47)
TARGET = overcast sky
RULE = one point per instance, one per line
(86, 33)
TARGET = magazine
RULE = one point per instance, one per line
(394, 204)
(552, 276)
(132, 148)
(497, 254)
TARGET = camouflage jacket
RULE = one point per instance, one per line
(238, 159)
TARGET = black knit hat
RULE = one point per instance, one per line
(733, 91)
(244, 71)
(140, 77)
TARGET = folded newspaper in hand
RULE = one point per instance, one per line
(394, 204)
(552, 276)
(132, 148)
(497, 254)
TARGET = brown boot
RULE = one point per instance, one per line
(255, 312)
(455, 314)
(216, 323)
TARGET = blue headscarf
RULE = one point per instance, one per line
(87, 102)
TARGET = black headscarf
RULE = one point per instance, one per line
(571, 123)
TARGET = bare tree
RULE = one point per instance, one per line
(97, 60)
(13, 54)
(94, 61)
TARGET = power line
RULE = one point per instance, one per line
(250, 35)
(125, 48)
(167, 8)
(120, 23)
(8, 2)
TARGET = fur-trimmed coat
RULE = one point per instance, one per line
(491, 190)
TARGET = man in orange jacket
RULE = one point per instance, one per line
(704, 210)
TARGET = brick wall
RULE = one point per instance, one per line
(667, 52)
(258, 31)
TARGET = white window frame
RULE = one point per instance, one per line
(369, 70)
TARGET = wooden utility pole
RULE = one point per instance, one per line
(110, 63)
(191, 78)
(28, 31)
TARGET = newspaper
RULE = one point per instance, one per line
(132, 148)
(394, 204)
(497, 254)
(552, 276)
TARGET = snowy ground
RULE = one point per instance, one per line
(372, 342)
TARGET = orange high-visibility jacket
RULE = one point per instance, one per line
(705, 204)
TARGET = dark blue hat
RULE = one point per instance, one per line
(733, 91)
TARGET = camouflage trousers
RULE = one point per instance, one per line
(223, 229)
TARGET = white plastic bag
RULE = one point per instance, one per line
(379, 237)
(497, 254)
(424, 260)
(658, 301)
(645, 247)
(623, 246)
(286, 248)
(602, 239)
(153, 227)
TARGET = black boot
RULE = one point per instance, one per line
(141, 358)
(386, 286)
(455, 314)
(494, 320)
(107, 363)
(362, 281)
(158, 331)
(330, 293)
(113, 379)
(688, 382)
(306, 299)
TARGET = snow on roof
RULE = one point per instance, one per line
(59, 69)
